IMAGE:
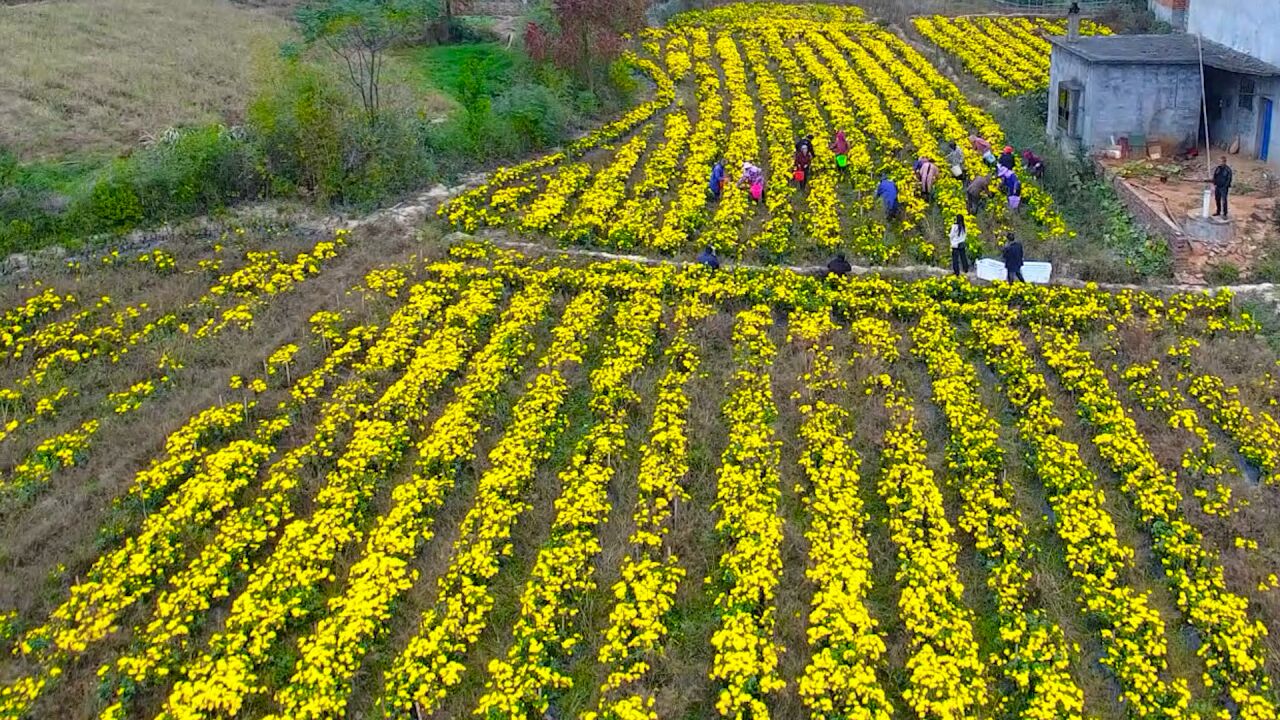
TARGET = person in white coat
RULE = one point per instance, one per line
(959, 248)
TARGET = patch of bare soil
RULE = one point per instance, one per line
(1175, 188)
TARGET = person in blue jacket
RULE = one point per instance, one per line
(716, 183)
(709, 258)
(887, 191)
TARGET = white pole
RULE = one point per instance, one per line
(1204, 106)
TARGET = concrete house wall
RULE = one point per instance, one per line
(1227, 120)
(1251, 27)
(1155, 101)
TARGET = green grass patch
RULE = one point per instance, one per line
(441, 67)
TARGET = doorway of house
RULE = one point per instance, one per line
(1264, 128)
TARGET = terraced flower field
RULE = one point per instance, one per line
(742, 85)
(1008, 54)
(359, 475)
(614, 491)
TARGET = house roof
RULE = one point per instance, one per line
(1176, 49)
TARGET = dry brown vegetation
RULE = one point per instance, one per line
(99, 75)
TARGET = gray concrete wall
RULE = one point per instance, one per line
(1245, 123)
(1159, 102)
(1065, 67)
(1250, 26)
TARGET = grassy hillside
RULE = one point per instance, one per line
(98, 75)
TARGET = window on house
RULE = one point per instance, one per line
(1069, 111)
(1064, 109)
(1247, 90)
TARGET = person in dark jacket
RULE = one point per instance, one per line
(716, 184)
(1006, 158)
(1012, 254)
(804, 163)
(1034, 163)
(709, 258)
(839, 266)
(1222, 177)
(805, 144)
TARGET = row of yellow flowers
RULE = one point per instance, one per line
(687, 212)
(848, 74)
(598, 206)
(17, 322)
(1256, 433)
(1201, 461)
(749, 14)
(824, 206)
(55, 334)
(1234, 646)
(1134, 640)
(637, 220)
(167, 632)
(890, 48)
(1008, 54)
(548, 631)
(946, 678)
(847, 649)
(646, 591)
(282, 586)
(470, 210)
(677, 57)
(262, 278)
(206, 484)
(854, 109)
(421, 677)
(743, 146)
(331, 653)
(775, 235)
(1035, 657)
(745, 666)
(927, 125)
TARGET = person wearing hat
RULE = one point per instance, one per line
(1006, 158)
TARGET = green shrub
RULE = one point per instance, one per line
(192, 171)
(1222, 273)
(390, 157)
(535, 115)
(298, 122)
(112, 203)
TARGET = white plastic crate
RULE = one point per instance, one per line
(1033, 272)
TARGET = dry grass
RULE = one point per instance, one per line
(97, 75)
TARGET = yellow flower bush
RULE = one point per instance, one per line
(1008, 54)
(755, 79)
(422, 675)
(848, 650)
(1233, 644)
(745, 666)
